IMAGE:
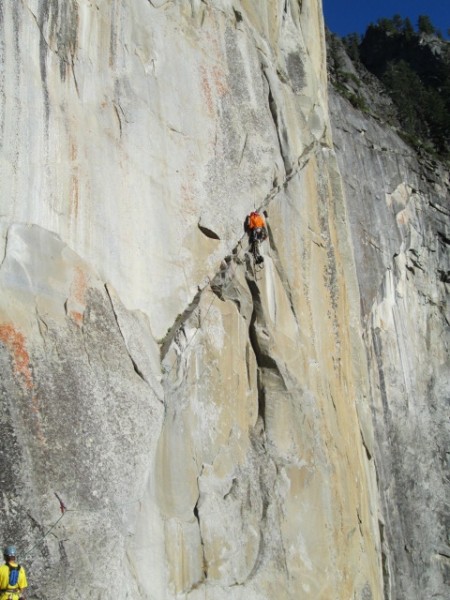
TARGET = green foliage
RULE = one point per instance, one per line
(398, 22)
(343, 82)
(425, 25)
(407, 29)
(358, 102)
(349, 77)
(416, 77)
(386, 25)
(407, 91)
(351, 44)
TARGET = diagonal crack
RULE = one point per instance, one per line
(136, 367)
(216, 282)
(180, 320)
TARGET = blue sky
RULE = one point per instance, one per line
(349, 16)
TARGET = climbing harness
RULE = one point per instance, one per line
(258, 260)
(257, 236)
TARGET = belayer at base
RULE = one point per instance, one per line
(13, 580)
(255, 226)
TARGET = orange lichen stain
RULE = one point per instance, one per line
(213, 83)
(77, 317)
(79, 285)
(78, 296)
(206, 88)
(15, 342)
(220, 81)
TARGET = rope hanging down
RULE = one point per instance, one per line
(64, 511)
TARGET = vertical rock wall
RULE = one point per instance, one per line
(207, 426)
(400, 223)
(265, 485)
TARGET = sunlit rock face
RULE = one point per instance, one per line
(400, 224)
(206, 425)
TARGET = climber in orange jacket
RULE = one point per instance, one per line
(256, 229)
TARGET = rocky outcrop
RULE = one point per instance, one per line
(172, 416)
(399, 219)
(79, 418)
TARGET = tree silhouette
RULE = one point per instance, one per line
(425, 25)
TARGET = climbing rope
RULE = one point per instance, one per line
(42, 538)
(64, 511)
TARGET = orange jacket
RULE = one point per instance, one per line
(255, 220)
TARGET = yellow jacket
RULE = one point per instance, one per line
(6, 591)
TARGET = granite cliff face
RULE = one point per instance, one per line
(213, 431)
(399, 213)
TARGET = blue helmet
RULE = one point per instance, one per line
(10, 551)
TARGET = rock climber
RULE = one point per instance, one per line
(13, 580)
(256, 229)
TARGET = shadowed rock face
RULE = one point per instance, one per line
(399, 216)
(206, 425)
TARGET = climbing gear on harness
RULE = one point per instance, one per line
(256, 253)
(12, 593)
(257, 258)
(257, 236)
